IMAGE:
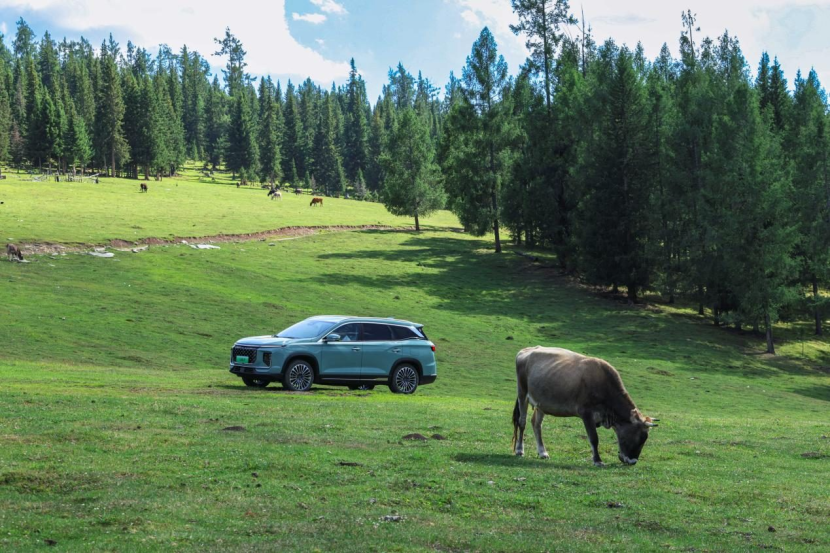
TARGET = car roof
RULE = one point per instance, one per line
(345, 318)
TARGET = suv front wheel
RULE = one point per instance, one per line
(404, 379)
(298, 377)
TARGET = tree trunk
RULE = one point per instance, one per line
(817, 308)
(770, 344)
(113, 159)
(716, 314)
(417, 223)
(495, 201)
(632, 293)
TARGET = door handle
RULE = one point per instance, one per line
(355, 349)
(396, 350)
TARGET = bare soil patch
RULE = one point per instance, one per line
(285, 233)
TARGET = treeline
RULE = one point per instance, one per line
(678, 175)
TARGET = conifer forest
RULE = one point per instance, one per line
(698, 176)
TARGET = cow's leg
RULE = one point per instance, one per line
(591, 430)
(519, 423)
(536, 421)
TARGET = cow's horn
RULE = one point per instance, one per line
(651, 424)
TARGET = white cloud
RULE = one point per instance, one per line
(313, 18)
(266, 37)
(3, 28)
(330, 6)
(320, 41)
(794, 30)
(497, 15)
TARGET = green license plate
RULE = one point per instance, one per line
(242, 359)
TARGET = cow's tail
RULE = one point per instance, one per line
(516, 415)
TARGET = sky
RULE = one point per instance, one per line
(295, 39)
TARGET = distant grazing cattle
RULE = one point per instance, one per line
(144, 187)
(275, 194)
(315, 201)
(562, 383)
(298, 191)
(14, 253)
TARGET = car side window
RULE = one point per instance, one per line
(376, 333)
(349, 332)
(403, 333)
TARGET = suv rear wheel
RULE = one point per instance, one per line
(255, 382)
(298, 377)
(404, 379)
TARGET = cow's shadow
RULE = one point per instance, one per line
(510, 460)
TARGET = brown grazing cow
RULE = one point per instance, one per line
(315, 201)
(14, 253)
(143, 187)
(562, 383)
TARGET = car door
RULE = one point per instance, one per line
(342, 359)
(380, 350)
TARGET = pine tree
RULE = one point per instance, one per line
(78, 143)
(109, 136)
(270, 124)
(541, 21)
(809, 146)
(293, 135)
(356, 129)
(328, 170)
(616, 214)
(412, 186)
(242, 154)
(477, 140)
(215, 124)
(758, 235)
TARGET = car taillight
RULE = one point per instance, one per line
(433, 348)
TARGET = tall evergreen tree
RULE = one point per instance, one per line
(242, 153)
(270, 129)
(476, 151)
(356, 129)
(412, 186)
(614, 224)
(109, 118)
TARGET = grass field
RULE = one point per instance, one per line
(115, 395)
(86, 213)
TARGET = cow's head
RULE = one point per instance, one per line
(632, 436)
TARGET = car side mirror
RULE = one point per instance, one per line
(333, 338)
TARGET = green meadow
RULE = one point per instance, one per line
(187, 206)
(121, 428)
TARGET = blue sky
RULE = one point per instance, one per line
(298, 38)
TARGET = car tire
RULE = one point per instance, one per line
(404, 379)
(366, 387)
(298, 376)
(254, 382)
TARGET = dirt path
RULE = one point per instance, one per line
(46, 248)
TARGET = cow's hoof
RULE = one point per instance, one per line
(599, 464)
(544, 455)
(520, 454)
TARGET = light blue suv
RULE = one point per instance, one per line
(358, 352)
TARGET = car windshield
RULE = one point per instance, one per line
(309, 328)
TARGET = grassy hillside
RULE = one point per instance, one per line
(116, 392)
(85, 213)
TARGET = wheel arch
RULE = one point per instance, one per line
(410, 361)
(305, 357)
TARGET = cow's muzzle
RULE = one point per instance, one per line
(625, 459)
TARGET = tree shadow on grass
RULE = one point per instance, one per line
(820, 392)
(465, 277)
